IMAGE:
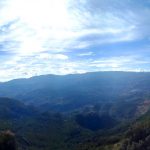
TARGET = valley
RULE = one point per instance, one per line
(91, 111)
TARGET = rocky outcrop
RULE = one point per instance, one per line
(7, 141)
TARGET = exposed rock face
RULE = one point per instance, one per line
(143, 108)
(7, 141)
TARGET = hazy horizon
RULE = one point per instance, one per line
(73, 74)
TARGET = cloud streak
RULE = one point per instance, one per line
(67, 36)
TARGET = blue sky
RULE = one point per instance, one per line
(67, 36)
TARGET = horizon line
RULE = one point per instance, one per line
(53, 74)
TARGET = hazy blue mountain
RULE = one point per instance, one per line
(70, 92)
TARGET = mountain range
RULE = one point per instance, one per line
(71, 92)
(91, 111)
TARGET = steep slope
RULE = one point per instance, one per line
(134, 135)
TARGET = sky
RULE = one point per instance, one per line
(73, 36)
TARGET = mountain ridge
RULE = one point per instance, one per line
(77, 90)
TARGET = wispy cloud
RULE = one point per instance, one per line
(86, 54)
(67, 36)
(59, 25)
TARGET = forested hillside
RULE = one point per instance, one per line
(93, 111)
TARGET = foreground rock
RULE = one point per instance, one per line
(7, 141)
